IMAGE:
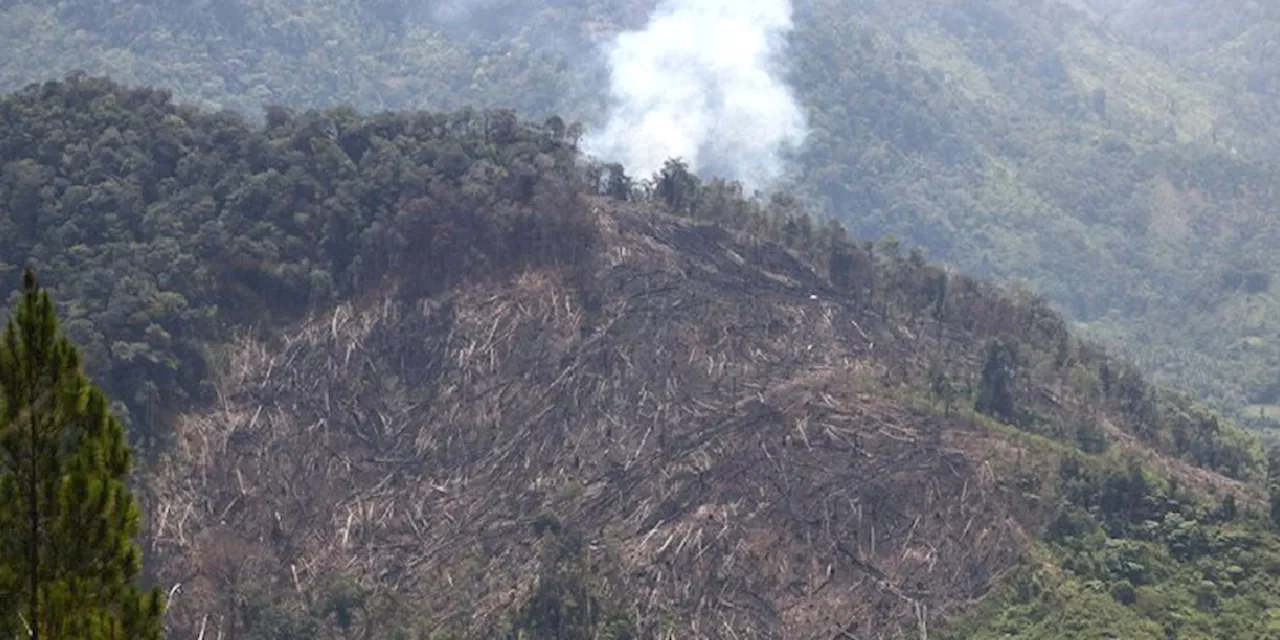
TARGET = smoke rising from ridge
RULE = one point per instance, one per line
(701, 82)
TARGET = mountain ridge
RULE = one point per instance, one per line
(1010, 140)
(594, 354)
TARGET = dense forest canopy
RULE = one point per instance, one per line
(1231, 43)
(163, 228)
(1010, 139)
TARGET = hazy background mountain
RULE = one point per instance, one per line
(1233, 43)
(1181, 29)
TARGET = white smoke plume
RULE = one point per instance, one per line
(702, 82)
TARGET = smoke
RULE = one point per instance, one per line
(701, 82)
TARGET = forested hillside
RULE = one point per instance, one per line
(163, 228)
(1016, 142)
(430, 375)
(1231, 43)
(1009, 139)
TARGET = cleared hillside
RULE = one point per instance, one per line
(732, 444)
(712, 437)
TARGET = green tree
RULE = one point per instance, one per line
(676, 185)
(67, 519)
(565, 603)
(995, 394)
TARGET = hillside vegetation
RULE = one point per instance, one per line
(429, 374)
(1227, 41)
(1016, 141)
(1008, 139)
(160, 226)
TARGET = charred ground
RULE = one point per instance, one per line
(701, 429)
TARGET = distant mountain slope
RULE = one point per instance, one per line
(1231, 43)
(1182, 28)
(242, 54)
(1018, 140)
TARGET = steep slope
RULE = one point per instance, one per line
(1016, 140)
(738, 445)
(1230, 43)
(162, 228)
(422, 373)
(1010, 139)
(1183, 27)
(702, 422)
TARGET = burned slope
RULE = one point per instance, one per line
(516, 423)
(734, 446)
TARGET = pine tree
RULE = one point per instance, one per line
(68, 560)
